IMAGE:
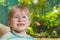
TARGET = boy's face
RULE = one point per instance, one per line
(20, 21)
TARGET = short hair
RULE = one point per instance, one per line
(14, 9)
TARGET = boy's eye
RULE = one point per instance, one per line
(15, 17)
(24, 16)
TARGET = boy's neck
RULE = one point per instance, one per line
(22, 32)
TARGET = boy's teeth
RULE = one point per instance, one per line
(20, 24)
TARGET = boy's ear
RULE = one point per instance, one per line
(29, 22)
(9, 23)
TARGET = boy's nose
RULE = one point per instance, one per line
(19, 19)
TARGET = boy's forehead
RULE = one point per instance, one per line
(21, 12)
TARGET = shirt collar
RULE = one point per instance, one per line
(18, 34)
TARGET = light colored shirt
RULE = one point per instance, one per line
(15, 36)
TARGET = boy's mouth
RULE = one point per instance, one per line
(20, 24)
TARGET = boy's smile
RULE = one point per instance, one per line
(20, 24)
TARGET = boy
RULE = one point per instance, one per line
(18, 20)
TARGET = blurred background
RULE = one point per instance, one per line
(44, 14)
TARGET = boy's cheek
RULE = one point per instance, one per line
(28, 23)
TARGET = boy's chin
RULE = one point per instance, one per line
(20, 30)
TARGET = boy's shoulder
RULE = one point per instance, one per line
(6, 36)
(29, 37)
